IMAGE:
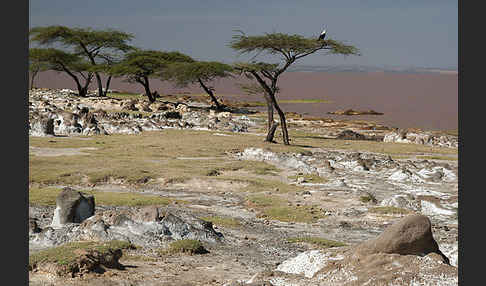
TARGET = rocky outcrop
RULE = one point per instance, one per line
(421, 137)
(350, 135)
(404, 254)
(41, 126)
(72, 207)
(52, 112)
(411, 235)
(148, 227)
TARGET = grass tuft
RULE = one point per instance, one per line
(66, 254)
(47, 197)
(317, 241)
(185, 246)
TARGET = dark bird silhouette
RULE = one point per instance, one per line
(322, 35)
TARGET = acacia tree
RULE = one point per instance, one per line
(99, 47)
(289, 48)
(140, 65)
(36, 64)
(183, 74)
(73, 65)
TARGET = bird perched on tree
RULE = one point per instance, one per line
(322, 35)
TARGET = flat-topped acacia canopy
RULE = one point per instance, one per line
(290, 48)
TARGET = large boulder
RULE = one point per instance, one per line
(410, 235)
(72, 207)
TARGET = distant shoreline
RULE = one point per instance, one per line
(428, 101)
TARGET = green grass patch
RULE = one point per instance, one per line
(125, 95)
(316, 241)
(256, 185)
(138, 158)
(425, 157)
(288, 101)
(276, 208)
(222, 221)
(185, 246)
(47, 197)
(65, 254)
(256, 167)
(389, 210)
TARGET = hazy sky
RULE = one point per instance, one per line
(410, 33)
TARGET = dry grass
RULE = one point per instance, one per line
(138, 158)
(223, 221)
(258, 185)
(276, 208)
(184, 246)
(437, 158)
(316, 241)
(47, 197)
(66, 254)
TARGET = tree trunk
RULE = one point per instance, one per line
(34, 73)
(82, 91)
(147, 90)
(210, 92)
(271, 132)
(100, 84)
(107, 85)
(270, 121)
(283, 121)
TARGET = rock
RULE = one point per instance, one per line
(190, 228)
(86, 261)
(33, 227)
(350, 135)
(355, 112)
(41, 127)
(421, 137)
(172, 115)
(404, 201)
(338, 266)
(129, 105)
(149, 213)
(72, 207)
(226, 115)
(410, 235)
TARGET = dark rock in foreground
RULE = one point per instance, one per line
(72, 207)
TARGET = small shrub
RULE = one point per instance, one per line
(213, 172)
(368, 198)
(187, 246)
